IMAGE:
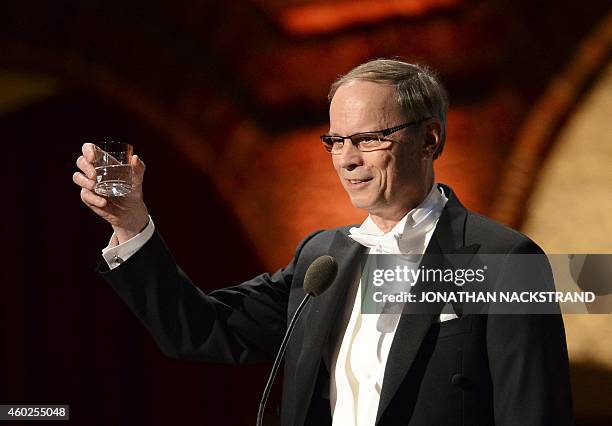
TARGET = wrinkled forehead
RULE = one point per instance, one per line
(360, 106)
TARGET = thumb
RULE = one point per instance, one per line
(138, 169)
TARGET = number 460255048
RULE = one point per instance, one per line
(35, 411)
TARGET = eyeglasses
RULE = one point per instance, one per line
(365, 141)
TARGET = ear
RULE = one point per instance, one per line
(432, 137)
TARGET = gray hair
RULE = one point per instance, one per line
(420, 93)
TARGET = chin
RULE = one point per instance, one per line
(360, 203)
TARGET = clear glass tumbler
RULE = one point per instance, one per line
(113, 169)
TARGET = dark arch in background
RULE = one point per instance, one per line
(66, 337)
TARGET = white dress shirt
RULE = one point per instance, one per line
(358, 364)
(115, 254)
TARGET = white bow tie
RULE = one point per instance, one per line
(380, 243)
(396, 242)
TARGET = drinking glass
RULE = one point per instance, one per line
(113, 169)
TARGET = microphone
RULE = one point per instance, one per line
(319, 276)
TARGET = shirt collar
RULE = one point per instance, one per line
(432, 205)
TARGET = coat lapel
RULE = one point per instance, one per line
(412, 328)
(319, 317)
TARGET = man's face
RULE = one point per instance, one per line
(382, 181)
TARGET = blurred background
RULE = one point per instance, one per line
(224, 101)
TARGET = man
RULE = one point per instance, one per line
(343, 367)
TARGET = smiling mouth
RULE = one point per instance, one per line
(358, 181)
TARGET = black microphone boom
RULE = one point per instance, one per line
(319, 276)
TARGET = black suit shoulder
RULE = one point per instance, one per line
(496, 238)
(326, 236)
(317, 243)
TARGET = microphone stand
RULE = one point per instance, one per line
(279, 357)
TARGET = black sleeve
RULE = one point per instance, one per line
(234, 325)
(529, 364)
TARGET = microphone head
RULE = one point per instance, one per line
(320, 274)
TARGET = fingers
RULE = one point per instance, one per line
(83, 181)
(86, 179)
(91, 199)
(86, 167)
(89, 152)
(100, 211)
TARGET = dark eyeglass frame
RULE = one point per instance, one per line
(380, 134)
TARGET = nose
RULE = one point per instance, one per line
(350, 157)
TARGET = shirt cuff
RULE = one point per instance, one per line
(115, 254)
